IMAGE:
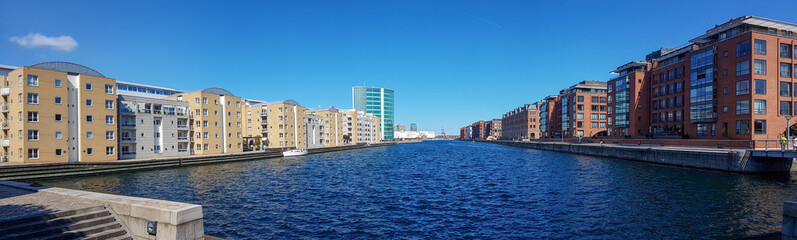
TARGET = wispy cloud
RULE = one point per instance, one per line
(32, 40)
(478, 18)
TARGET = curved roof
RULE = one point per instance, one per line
(287, 101)
(214, 90)
(68, 67)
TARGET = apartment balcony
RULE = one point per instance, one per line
(4, 107)
(182, 150)
(4, 91)
(127, 125)
(264, 130)
(5, 142)
(133, 153)
(182, 126)
(127, 111)
(128, 139)
(4, 125)
(264, 113)
(4, 158)
(183, 138)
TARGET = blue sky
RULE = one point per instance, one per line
(450, 62)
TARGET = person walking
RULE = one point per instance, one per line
(782, 143)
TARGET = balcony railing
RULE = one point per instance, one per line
(4, 125)
(4, 158)
(5, 142)
(128, 139)
(129, 153)
(127, 111)
(182, 125)
(127, 124)
(4, 91)
(182, 138)
(182, 150)
(4, 107)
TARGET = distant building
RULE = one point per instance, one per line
(315, 131)
(401, 127)
(333, 125)
(361, 127)
(380, 102)
(494, 128)
(413, 127)
(5, 69)
(479, 130)
(414, 135)
(547, 120)
(152, 128)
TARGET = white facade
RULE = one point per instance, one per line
(315, 131)
(414, 134)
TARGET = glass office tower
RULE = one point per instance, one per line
(378, 101)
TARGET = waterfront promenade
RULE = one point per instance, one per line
(723, 159)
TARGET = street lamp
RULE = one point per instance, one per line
(788, 129)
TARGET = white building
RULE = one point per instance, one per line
(414, 134)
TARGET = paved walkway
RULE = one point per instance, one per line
(16, 202)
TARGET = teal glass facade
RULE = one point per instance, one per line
(380, 102)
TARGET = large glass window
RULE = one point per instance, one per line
(760, 47)
(760, 107)
(785, 50)
(760, 86)
(743, 68)
(743, 48)
(760, 126)
(785, 89)
(743, 87)
(702, 104)
(742, 127)
(743, 107)
(785, 69)
(760, 67)
(785, 108)
(33, 80)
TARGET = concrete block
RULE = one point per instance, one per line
(788, 226)
(138, 228)
(186, 214)
(167, 231)
(790, 209)
(150, 211)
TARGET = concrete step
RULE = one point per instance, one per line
(96, 222)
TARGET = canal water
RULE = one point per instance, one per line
(455, 189)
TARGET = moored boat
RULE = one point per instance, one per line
(294, 152)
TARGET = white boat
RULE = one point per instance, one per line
(294, 152)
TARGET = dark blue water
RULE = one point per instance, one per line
(453, 189)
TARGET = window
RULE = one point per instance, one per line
(679, 73)
(743, 87)
(88, 86)
(785, 50)
(760, 126)
(33, 80)
(760, 67)
(58, 83)
(742, 127)
(58, 135)
(702, 129)
(109, 151)
(678, 87)
(108, 89)
(785, 89)
(57, 100)
(33, 153)
(33, 135)
(785, 108)
(760, 107)
(90, 151)
(204, 100)
(109, 135)
(58, 152)
(743, 48)
(33, 116)
(743, 107)
(785, 69)
(760, 47)
(33, 98)
(760, 86)
(88, 102)
(579, 116)
(743, 68)
(108, 104)
(89, 135)
(580, 99)
(204, 112)
(89, 118)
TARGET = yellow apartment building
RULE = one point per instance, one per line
(217, 120)
(283, 124)
(58, 112)
(333, 125)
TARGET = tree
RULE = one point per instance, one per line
(257, 143)
(346, 138)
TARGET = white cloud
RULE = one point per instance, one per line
(62, 43)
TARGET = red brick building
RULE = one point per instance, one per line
(736, 81)
(494, 128)
(547, 106)
(629, 100)
(479, 129)
(521, 123)
(584, 109)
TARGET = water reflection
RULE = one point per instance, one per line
(451, 189)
